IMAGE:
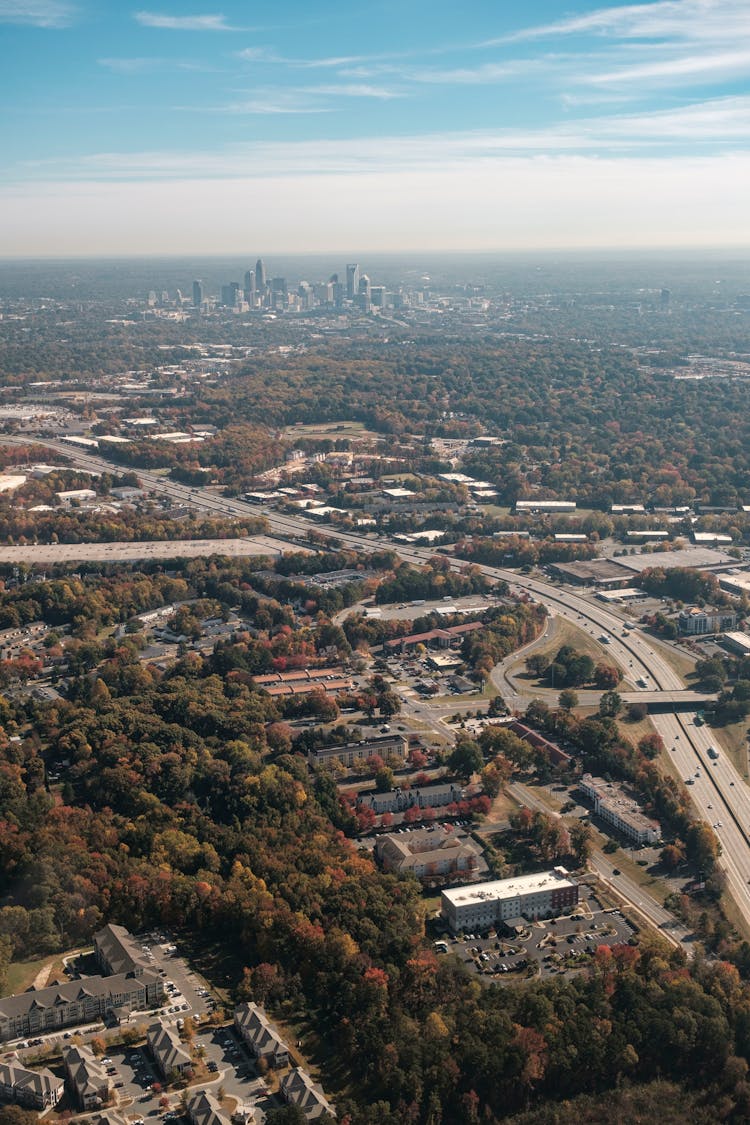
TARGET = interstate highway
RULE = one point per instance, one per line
(720, 794)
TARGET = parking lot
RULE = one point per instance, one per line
(228, 1065)
(553, 946)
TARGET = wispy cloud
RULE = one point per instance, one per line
(128, 66)
(215, 22)
(696, 20)
(713, 126)
(705, 67)
(270, 103)
(355, 90)
(260, 54)
(37, 13)
(145, 63)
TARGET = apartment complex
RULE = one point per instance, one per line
(613, 804)
(204, 1109)
(382, 747)
(426, 854)
(297, 1088)
(77, 1001)
(88, 1081)
(117, 951)
(168, 1050)
(541, 895)
(399, 800)
(260, 1035)
(33, 1089)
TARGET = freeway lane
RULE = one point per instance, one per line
(725, 793)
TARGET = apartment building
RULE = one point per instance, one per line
(544, 894)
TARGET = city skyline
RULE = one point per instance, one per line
(199, 128)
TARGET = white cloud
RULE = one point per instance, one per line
(260, 54)
(38, 13)
(710, 66)
(354, 90)
(719, 122)
(184, 23)
(697, 20)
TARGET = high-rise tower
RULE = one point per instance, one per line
(261, 281)
(197, 294)
(352, 280)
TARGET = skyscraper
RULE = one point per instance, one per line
(197, 294)
(250, 287)
(352, 280)
(230, 293)
(260, 276)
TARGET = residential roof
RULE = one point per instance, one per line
(120, 950)
(43, 1083)
(298, 1088)
(258, 1029)
(86, 1072)
(204, 1109)
(168, 1048)
(63, 994)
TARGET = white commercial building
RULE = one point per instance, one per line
(541, 895)
(545, 505)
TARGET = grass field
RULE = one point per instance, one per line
(22, 974)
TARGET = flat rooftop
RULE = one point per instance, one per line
(693, 558)
(508, 888)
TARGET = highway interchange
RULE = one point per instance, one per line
(718, 792)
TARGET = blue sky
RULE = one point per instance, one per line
(416, 124)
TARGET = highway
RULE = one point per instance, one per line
(719, 794)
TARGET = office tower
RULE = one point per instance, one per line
(364, 286)
(306, 295)
(197, 294)
(279, 292)
(665, 297)
(230, 293)
(260, 276)
(352, 280)
(250, 287)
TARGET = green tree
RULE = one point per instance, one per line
(466, 759)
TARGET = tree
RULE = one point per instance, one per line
(581, 840)
(537, 664)
(610, 704)
(607, 676)
(568, 699)
(671, 856)
(466, 759)
(651, 745)
(384, 780)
